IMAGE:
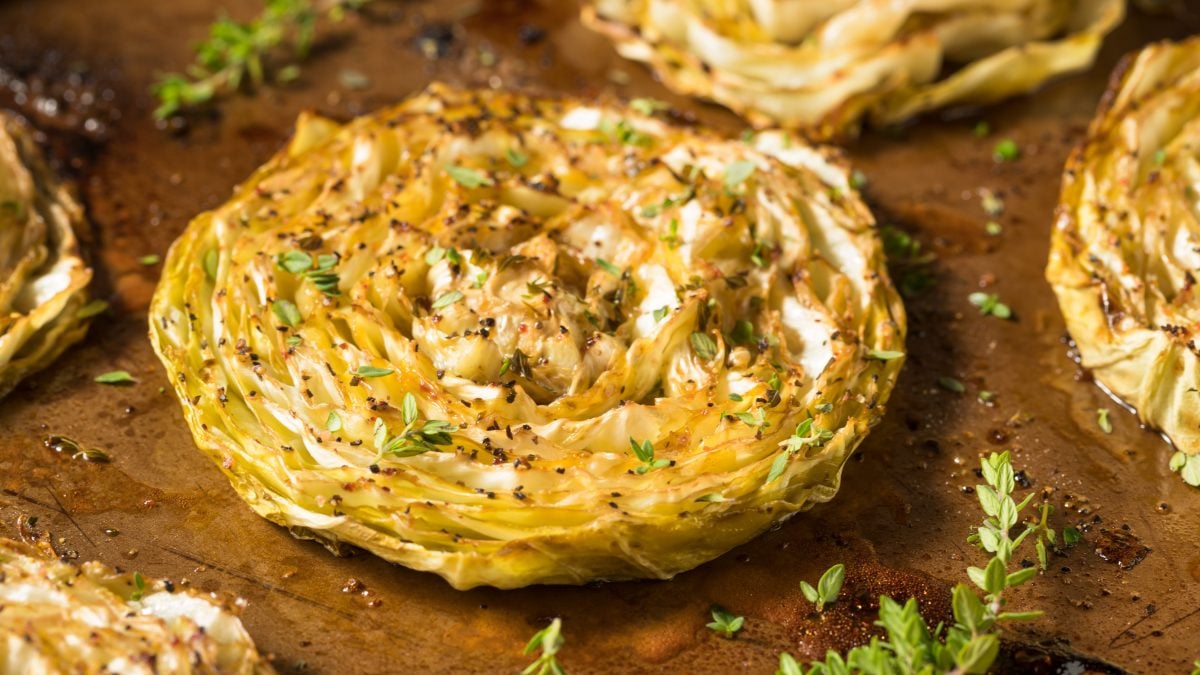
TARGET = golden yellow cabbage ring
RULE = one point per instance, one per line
(1126, 246)
(823, 66)
(514, 340)
(59, 618)
(43, 278)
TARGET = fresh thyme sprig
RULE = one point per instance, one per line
(827, 589)
(236, 53)
(725, 622)
(971, 644)
(319, 271)
(805, 436)
(549, 640)
(413, 439)
(644, 451)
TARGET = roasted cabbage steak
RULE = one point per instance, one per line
(824, 66)
(43, 277)
(56, 617)
(515, 340)
(1126, 245)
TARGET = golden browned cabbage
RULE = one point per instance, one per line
(822, 66)
(514, 340)
(43, 279)
(59, 618)
(1127, 244)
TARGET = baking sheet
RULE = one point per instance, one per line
(904, 511)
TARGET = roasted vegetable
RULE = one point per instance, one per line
(42, 276)
(59, 618)
(822, 67)
(514, 340)
(1124, 249)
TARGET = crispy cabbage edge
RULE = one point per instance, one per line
(63, 618)
(43, 278)
(532, 490)
(1123, 246)
(822, 67)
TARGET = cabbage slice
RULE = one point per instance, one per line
(43, 277)
(1126, 245)
(822, 67)
(438, 331)
(62, 618)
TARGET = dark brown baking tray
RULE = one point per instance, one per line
(904, 511)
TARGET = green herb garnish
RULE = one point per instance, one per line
(287, 312)
(806, 435)
(116, 377)
(468, 178)
(1006, 151)
(644, 451)
(413, 439)
(211, 261)
(704, 346)
(1187, 466)
(972, 642)
(647, 106)
(951, 384)
(235, 53)
(858, 180)
(139, 587)
(989, 303)
(737, 173)
(725, 622)
(608, 267)
(827, 589)
(446, 299)
(516, 158)
(318, 270)
(549, 640)
(92, 309)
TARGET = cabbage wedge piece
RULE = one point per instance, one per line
(43, 278)
(824, 66)
(514, 340)
(1126, 246)
(56, 617)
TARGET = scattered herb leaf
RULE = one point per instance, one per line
(704, 345)
(287, 312)
(446, 299)
(725, 622)
(737, 173)
(116, 377)
(827, 589)
(468, 178)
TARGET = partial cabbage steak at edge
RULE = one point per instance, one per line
(823, 66)
(43, 278)
(1127, 243)
(514, 340)
(63, 618)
